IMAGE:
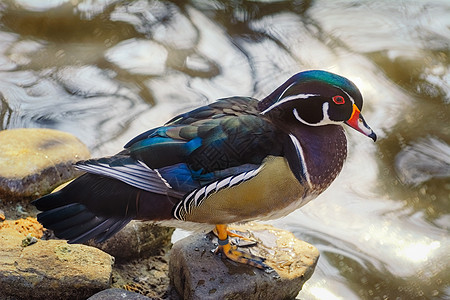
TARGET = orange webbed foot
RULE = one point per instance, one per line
(231, 251)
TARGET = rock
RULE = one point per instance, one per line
(136, 240)
(50, 269)
(25, 226)
(117, 294)
(34, 161)
(147, 276)
(197, 273)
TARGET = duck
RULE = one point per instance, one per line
(237, 159)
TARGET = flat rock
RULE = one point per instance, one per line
(197, 273)
(35, 161)
(50, 269)
(136, 240)
(118, 294)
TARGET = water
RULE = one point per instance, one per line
(108, 70)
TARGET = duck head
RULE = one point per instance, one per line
(318, 98)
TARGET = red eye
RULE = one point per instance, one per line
(338, 100)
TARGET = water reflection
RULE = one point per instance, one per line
(424, 160)
(107, 70)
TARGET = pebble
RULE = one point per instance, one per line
(117, 294)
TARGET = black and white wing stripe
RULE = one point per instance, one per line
(197, 196)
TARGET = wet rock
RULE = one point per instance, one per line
(197, 273)
(137, 239)
(117, 294)
(50, 269)
(34, 161)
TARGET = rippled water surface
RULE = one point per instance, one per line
(108, 70)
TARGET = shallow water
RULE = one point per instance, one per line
(108, 70)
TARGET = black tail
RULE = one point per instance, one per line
(97, 207)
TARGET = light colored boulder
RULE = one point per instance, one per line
(50, 269)
(35, 161)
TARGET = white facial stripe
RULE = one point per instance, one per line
(286, 89)
(326, 117)
(295, 112)
(325, 121)
(301, 157)
(296, 115)
(287, 99)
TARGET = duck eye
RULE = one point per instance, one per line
(338, 99)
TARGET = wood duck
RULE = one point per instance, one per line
(237, 159)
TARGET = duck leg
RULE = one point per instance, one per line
(233, 254)
(232, 234)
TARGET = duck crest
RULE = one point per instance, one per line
(324, 150)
